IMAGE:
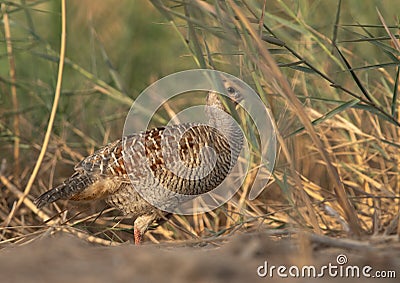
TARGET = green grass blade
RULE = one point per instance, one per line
(328, 115)
(395, 94)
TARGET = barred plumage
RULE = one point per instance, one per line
(154, 162)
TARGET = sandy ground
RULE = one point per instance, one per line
(63, 258)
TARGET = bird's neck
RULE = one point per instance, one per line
(223, 122)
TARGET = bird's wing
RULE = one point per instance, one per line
(107, 161)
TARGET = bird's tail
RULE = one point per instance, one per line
(72, 186)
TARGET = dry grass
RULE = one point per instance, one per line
(331, 83)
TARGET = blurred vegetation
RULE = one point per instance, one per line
(340, 59)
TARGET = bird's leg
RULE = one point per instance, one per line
(140, 226)
(137, 236)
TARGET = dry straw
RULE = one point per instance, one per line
(334, 97)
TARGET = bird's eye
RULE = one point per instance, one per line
(231, 90)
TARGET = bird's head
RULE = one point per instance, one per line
(230, 96)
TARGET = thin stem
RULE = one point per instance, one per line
(13, 87)
(54, 108)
